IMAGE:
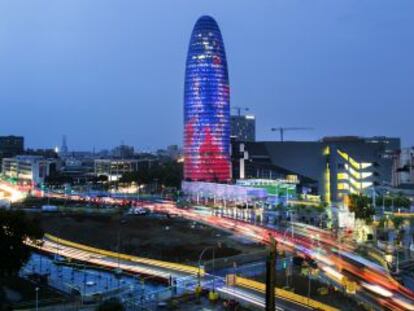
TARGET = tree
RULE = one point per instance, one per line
(399, 200)
(398, 221)
(16, 227)
(168, 174)
(361, 206)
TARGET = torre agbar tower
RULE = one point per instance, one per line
(206, 106)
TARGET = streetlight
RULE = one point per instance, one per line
(287, 195)
(288, 266)
(397, 270)
(199, 266)
(291, 222)
(309, 266)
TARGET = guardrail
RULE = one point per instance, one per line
(146, 261)
(281, 293)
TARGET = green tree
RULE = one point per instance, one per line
(16, 227)
(361, 206)
(169, 174)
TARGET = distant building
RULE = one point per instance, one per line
(243, 127)
(11, 146)
(45, 153)
(28, 168)
(123, 152)
(333, 167)
(173, 152)
(64, 148)
(115, 168)
(404, 169)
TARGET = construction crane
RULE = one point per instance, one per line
(239, 109)
(282, 130)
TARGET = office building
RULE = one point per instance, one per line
(333, 167)
(243, 127)
(206, 106)
(11, 146)
(28, 168)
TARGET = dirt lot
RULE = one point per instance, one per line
(153, 236)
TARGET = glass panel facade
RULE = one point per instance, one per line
(206, 106)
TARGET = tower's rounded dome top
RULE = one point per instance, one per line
(205, 19)
(206, 22)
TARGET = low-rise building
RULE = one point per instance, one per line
(28, 168)
(332, 167)
(115, 168)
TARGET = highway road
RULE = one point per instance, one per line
(106, 261)
(258, 300)
(184, 281)
(335, 259)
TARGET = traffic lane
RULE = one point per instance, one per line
(259, 300)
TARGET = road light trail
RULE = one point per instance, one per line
(361, 269)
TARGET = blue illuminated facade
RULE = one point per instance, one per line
(206, 106)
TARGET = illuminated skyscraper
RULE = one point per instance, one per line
(206, 106)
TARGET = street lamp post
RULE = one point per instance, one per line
(37, 298)
(291, 223)
(199, 265)
(309, 267)
(287, 195)
(397, 270)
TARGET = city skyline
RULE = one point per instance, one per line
(329, 66)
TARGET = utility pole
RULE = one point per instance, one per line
(271, 277)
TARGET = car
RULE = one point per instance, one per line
(137, 211)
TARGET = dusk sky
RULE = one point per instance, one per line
(103, 71)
